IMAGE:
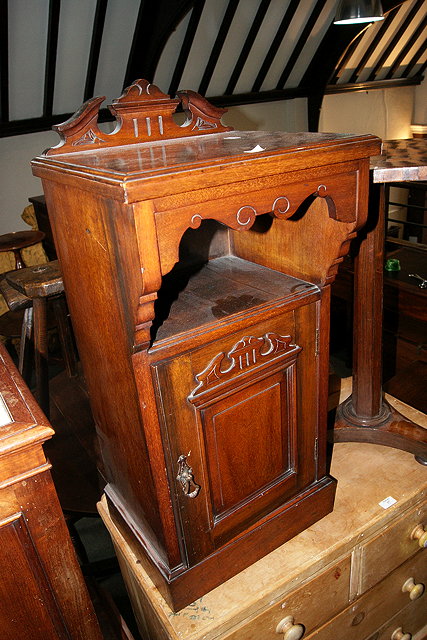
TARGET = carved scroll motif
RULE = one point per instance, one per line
(242, 219)
(143, 113)
(246, 355)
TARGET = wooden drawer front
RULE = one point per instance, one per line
(411, 619)
(237, 411)
(371, 611)
(312, 604)
(390, 548)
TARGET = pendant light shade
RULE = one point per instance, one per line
(358, 11)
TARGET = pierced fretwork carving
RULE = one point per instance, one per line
(201, 115)
(245, 357)
(143, 114)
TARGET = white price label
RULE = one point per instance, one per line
(387, 502)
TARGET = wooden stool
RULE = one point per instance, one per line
(13, 321)
(38, 285)
(18, 240)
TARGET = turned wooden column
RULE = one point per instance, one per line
(365, 416)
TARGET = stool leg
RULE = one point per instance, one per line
(41, 353)
(19, 263)
(25, 355)
(65, 335)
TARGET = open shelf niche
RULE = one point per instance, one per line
(210, 284)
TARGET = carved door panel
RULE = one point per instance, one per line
(236, 428)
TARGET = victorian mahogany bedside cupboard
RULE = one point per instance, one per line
(197, 263)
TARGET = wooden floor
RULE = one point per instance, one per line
(73, 451)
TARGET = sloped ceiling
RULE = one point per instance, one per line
(58, 54)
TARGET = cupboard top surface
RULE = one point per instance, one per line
(22, 422)
(145, 159)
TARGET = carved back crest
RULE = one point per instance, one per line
(143, 113)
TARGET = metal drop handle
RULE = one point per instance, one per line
(185, 476)
(423, 283)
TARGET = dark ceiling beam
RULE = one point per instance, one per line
(345, 58)
(302, 40)
(250, 39)
(32, 125)
(43, 123)
(414, 60)
(235, 99)
(51, 53)
(334, 43)
(308, 92)
(372, 85)
(218, 45)
(155, 23)
(186, 46)
(95, 48)
(383, 27)
(423, 68)
(406, 49)
(4, 62)
(395, 39)
(274, 47)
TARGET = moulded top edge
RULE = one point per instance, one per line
(142, 160)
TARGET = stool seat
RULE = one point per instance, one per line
(14, 299)
(41, 281)
(17, 240)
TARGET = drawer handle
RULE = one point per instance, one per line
(399, 635)
(290, 630)
(185, 477)
(415, 590)
(420, 534)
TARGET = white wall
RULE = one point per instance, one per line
(386, 113)
(17, 183)
(285, 115)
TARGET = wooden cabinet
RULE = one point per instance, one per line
(197, 264)
(43, 595)
(358, 574)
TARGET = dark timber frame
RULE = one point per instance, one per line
(156, 21)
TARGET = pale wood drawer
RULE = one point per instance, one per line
(312, 604)
(411, 620)
(375, 608)
(392, 546)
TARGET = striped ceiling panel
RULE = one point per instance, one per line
(62, 52)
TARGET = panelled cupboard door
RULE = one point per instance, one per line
(34, 615)
(234, 421)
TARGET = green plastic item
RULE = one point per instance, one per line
(392, 264)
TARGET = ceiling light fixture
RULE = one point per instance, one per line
(358, 11)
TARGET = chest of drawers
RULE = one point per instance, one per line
(197, 264)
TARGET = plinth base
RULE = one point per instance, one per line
(390, 428)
